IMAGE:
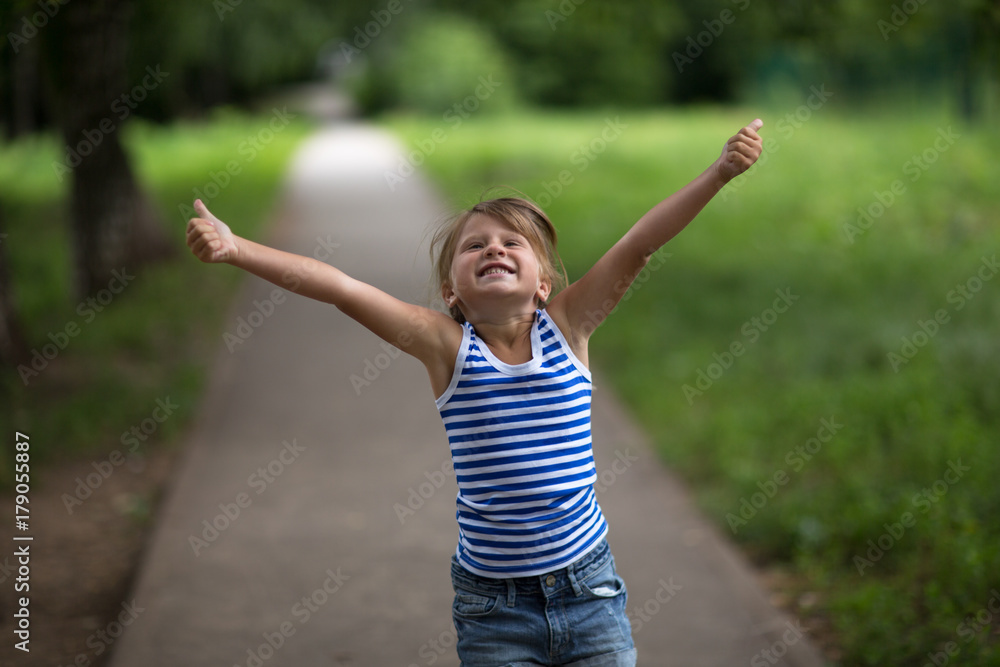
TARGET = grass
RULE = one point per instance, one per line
(870, 476)
(154, 340)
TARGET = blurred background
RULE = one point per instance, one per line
(830, 320)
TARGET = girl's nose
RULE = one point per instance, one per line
(495, 249)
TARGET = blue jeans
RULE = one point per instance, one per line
(573, 617)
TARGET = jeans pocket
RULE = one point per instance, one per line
(598, 614)
(604, 583)
(468, 604)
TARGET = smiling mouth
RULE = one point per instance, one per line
(496, 270)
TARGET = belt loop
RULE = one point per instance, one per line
(571, 573)
(510, 592)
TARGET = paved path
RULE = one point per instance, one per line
(319, 566)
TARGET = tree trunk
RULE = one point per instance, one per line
(23, 109)
(114, 224)
(13, 349)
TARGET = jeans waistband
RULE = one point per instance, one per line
(592, 561)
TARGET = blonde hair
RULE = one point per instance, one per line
(520, 215)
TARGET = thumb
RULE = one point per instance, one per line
(203, 211)
(756, 124)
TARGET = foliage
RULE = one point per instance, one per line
(441, 60)
(559, 52)
(569, 53)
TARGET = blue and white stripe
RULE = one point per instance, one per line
(520, 441)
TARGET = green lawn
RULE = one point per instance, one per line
(153, 341)
(826, 381)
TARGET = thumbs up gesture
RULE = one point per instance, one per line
(740, 152)
(209, 238)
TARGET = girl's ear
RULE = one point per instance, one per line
(544, 290)
(448, 294)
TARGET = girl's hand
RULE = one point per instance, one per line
(209, 238)
(740, 152)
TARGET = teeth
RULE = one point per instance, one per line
(495, 269)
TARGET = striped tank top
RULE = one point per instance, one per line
(520, 441)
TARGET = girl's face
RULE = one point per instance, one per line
(493, 263)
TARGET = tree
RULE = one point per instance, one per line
(114, 224)
(13, 349)
(21, 91)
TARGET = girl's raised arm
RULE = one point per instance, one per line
(427, 334)
(588, 301)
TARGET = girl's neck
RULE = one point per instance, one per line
(508, 338)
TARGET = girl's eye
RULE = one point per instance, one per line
(476, 245)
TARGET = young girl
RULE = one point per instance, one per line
(534, 579)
